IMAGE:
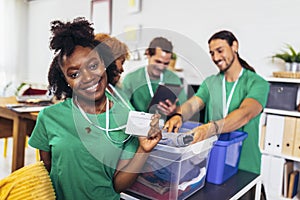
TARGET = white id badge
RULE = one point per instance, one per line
(138, 123)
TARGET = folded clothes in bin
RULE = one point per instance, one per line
(225, 157)
(180, 139)
(172, 173)
(168, 170)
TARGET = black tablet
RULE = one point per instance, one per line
(164, 92)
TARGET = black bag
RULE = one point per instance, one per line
(282, 96)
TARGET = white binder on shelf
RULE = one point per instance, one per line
(265, 172)
(272, 175)
(274, 134)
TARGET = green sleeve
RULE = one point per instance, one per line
(39, 138)
(259, 91)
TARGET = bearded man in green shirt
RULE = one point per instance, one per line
(233, 100)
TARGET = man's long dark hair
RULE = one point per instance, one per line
(230, 38)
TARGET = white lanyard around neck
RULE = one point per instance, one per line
(149, 82)
(227, 104)
(106, 129)
(118, 95)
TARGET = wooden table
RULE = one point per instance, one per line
(17, 125)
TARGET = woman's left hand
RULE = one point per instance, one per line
(154, 135)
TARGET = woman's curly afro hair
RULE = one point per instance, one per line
(65, 37)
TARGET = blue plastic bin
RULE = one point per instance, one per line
(190, 124)
(225, 157)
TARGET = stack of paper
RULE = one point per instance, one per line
(26, 107)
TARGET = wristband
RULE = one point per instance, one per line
(216, 126)
(178, 114)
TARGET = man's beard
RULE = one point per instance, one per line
(228, 66)
(155, 76)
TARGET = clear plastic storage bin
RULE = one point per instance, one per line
(174, 172)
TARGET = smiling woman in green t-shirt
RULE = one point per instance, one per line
(81, 139)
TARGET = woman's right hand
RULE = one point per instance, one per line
(173, 124)
(154, 135)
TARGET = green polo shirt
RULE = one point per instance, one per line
(250, 85)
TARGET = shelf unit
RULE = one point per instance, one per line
(296, 159)
(282, 112)
(282, 80)
(268, 111)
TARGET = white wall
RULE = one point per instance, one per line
(41, 13)
(262, 27)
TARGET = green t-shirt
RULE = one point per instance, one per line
(83, 159)
(136, 87)
(250, 85)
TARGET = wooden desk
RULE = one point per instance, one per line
(231, 189)
(16, 125)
